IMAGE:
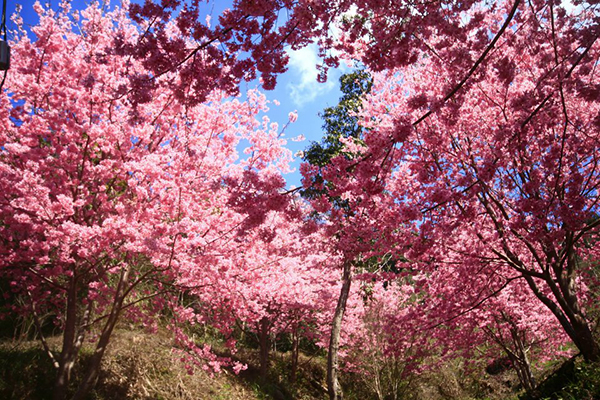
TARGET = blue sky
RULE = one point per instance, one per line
(297, 89)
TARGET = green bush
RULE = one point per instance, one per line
(584, 384)
(25, 373)
(572, 381)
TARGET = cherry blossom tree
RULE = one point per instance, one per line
(351, 223)
(110, 207)
(477, 153)
(277, 279)
(482, 125)
(488, 316)
(503, 171)
(383, 340)
(251, 36)
(481, 152)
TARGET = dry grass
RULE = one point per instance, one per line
(136, 366)
(141, 366)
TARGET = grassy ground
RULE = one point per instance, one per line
(141, 366)
(137, 366)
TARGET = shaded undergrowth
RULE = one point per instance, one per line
(142, 366)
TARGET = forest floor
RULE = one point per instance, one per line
(139, 365)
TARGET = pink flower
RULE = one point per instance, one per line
(293, 116)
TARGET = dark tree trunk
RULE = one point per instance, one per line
(520, 360)
(89, 381)
(264, 347)
(569, 314)
(68, 354)
(333, 384)
(558, 269)
(586, 342)
(295, 354)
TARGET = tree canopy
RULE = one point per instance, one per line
(457, 182)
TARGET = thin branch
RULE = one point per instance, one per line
(38, 325)
(476, 305)
(476, 65)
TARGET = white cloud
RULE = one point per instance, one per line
(570, 7)
(304, 87)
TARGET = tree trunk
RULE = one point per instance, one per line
(526, 367)
(333, 385)
(567, 311)
(522, 367)
(567, 287)
(585, 340)
(89, 381)
(515, 348)
(91, 376)
(68, 354)
(264, 347)
(295, 353)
